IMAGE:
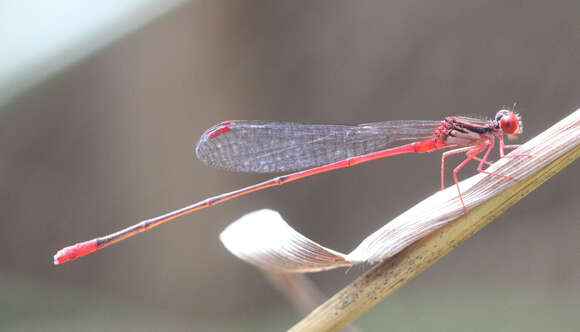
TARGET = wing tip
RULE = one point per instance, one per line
(209, 134)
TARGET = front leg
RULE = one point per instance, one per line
(503, 146)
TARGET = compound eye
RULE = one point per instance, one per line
(509, 123)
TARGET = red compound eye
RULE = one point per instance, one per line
(509, 123)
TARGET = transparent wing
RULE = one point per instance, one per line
(263, 147)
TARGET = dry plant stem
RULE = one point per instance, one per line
(386, 277)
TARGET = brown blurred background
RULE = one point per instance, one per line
(110, 142)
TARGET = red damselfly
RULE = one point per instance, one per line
(309, 149)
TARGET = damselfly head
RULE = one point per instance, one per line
(509, 122)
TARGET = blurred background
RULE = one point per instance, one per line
(97, 132)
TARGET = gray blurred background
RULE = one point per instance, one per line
(110, 141)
